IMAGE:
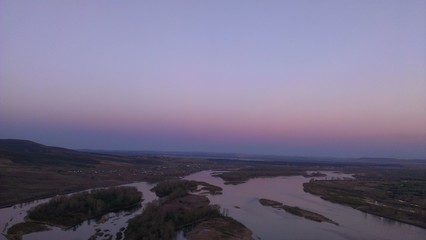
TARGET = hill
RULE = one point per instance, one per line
(30, 153)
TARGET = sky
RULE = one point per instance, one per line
(306, 78)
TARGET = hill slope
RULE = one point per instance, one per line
(31, 153)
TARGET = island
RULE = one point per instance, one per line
(16, 231)
(68, 211)
(179, 209)
(297, 211)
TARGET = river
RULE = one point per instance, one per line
(269, 223)
(241, 202)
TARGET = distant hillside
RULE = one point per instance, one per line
(18, 145)
(31, 153)
(265, 158)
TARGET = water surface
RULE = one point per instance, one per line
(269, 223)
(241, 203)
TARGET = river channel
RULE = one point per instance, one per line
(241, 203)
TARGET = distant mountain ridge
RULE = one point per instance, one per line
(31, 153)
(20, 145)
(254, 157)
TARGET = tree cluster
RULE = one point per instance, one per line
(174, 186)
(176, 210)
(72, 210)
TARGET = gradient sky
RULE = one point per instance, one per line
(311, 78)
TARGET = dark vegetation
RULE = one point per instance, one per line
(16, 231)
(220, 228)
(71, 210)
(296, 211)
(160, 221)
(209, 188)
(394, 193)
(173, 186)
(176, 209)
(260, 170)
(167, 187)
(68, 211)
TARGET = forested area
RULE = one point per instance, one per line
(71, 210)
(176, 209)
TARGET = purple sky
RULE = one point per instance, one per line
(311, 78)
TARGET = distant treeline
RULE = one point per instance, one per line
(71, 210)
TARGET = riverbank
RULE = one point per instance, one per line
(394, 193)
(371, 198)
